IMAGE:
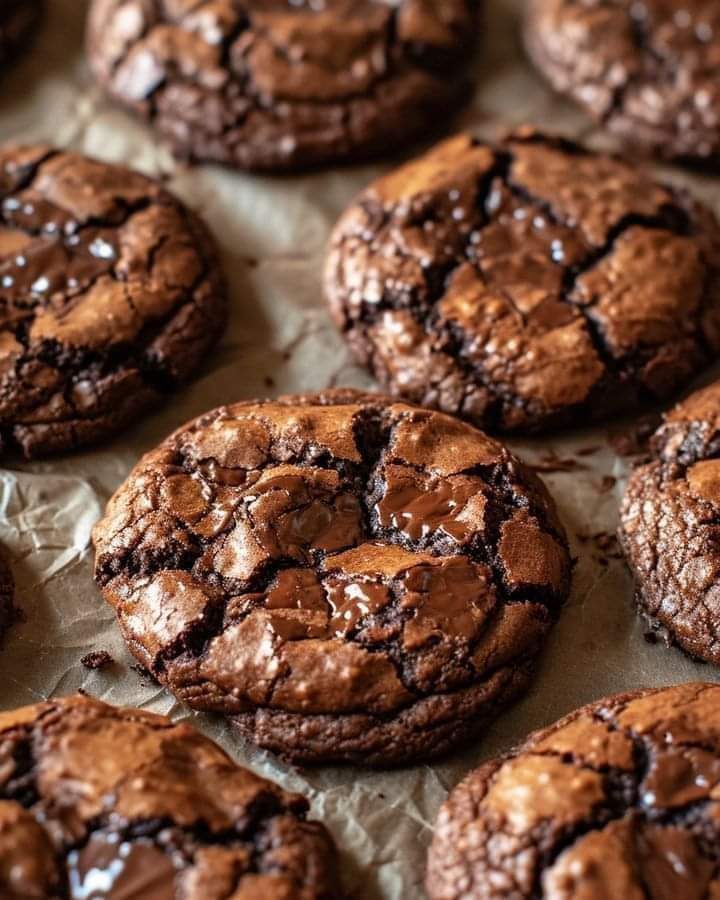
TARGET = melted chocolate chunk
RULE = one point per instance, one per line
(618, 800)
(110, 295)
(284, 84)
(347, 578)
(100, 803)
(669, 526)
(526, 284)
(647, 69)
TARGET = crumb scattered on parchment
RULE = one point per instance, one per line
(269, 381)
(551, 462)
(650, 637)
(98, 659)
(607, 484)
(633, 441)
(604, 545)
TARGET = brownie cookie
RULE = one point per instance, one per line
(18, 19)
(348, 578)
(284, 84)
(648, 69)
(7, 593)
(110, 295)
(618, 800)
(526, 284)
(670, 529)
(113, 803)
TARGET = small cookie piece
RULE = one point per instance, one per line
(349, 579)
(7, 594)
(18, 19)
(110, 295)
(285, 84)
(617, 800)
(97, 801)
(669, 527)
(647, 69)
(526, 284)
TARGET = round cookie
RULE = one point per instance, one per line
(284, 85)
(102, 802)
(647, 69)
(617, 800)
(17, 22)
(669, 527)
(526, 284)
(7, 594)
(110, 295)
(349, 579)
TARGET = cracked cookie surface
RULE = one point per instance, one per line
(18, 19)
(348, 578)
(284, 84)
(110, 295)
(618, 800)
(670, 527)
(102, 802)
(647, 69)
(526, 284)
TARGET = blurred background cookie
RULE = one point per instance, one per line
(285, 85)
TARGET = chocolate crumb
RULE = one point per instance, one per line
(98, 659)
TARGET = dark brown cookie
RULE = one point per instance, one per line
(110, 295)
(648, 69)
(7, 593)
(102, 802)
(18, 20)
(348, 578)
(526, 284)
(284, 84)
(669, 527)
(618, 801)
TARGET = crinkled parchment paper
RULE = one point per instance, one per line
(272, 232)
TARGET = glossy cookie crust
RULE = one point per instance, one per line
(283, 84)
(648, 69)
(670, 527)
(526, 284)
(102, 802)
(348, 578)
(110, 295)
(618, 800)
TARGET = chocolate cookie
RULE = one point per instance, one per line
(113, 803)
(669, 527)
(526, 284)
(7, 593)
(618, 800)
(285, 84)
(18, 19)
(110, 295)
(348, 578)
(648, 69)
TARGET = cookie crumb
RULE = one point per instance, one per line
(98, 659)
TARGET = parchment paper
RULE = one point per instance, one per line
(272, 232)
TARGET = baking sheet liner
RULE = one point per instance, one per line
(273, 232)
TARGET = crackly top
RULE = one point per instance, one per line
(109, 293)
(113, 803)
(619, 800)
(690, 431)
(334, 553)
(648, 68)
(273, 83)
(17, 18)
(527, 283)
